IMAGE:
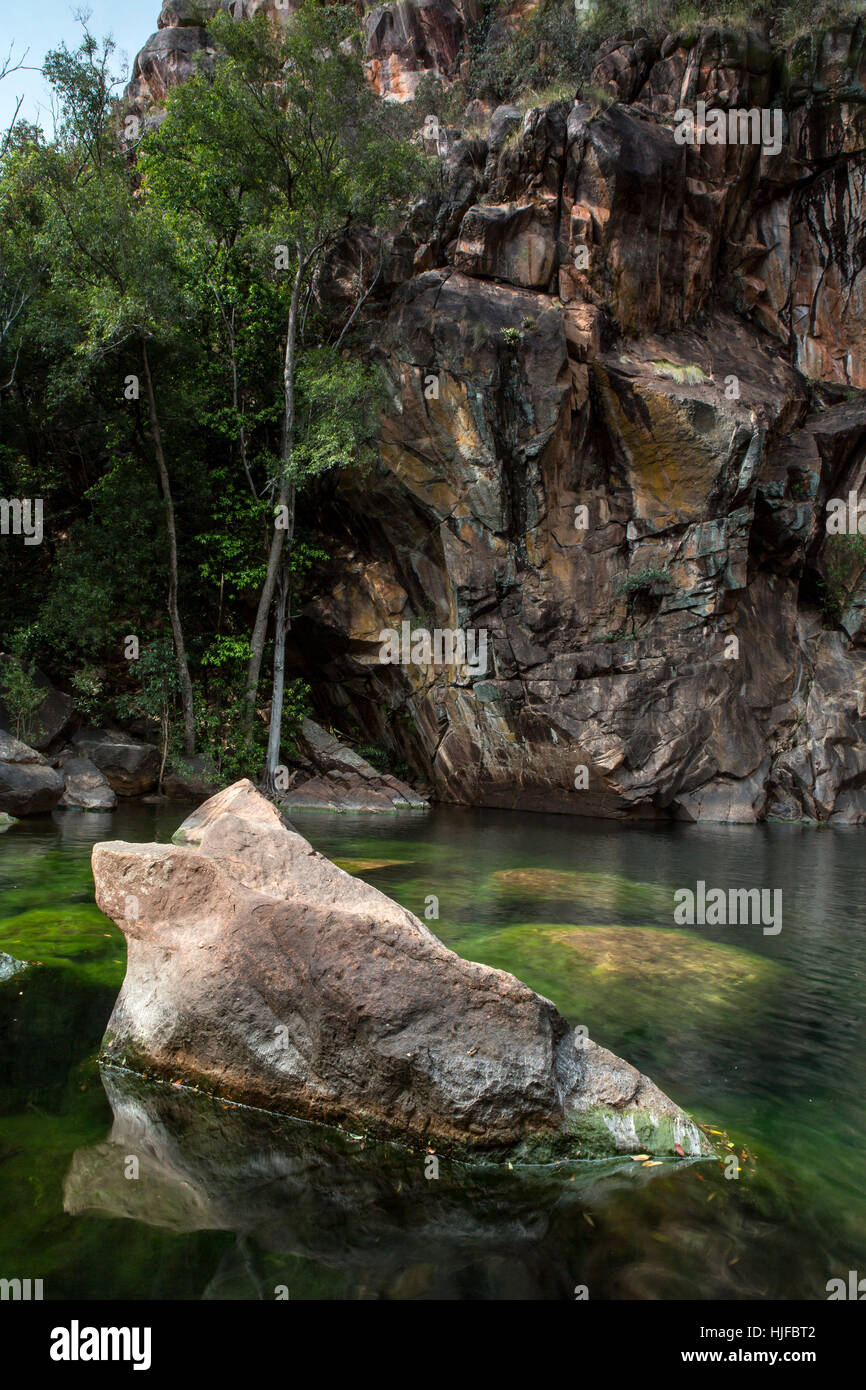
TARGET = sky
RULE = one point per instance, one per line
(40, 25)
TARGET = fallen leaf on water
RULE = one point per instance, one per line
(588, 1219)
(656, 1163)
(678, 1148)
(733, 1262)
(711, 1196)
(638, 1158)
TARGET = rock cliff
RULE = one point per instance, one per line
(627, 376)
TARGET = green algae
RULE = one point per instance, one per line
(589, 893)
(634, 983)
(76, 934)
(366, 866)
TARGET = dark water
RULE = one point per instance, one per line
(760, 1036)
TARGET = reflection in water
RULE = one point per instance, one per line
(289, 1188)
(762, 1036)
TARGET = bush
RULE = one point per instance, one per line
(21, 693)
(844, 560)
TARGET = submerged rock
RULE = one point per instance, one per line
(9, 966)
(260, 970)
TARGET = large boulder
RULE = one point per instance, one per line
(87, 789)
(342, 780)
(192, 779)
(259, 969)
(131, 768)
(29, 786)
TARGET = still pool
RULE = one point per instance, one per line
(761, 1036)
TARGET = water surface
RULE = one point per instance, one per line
(760, 1036)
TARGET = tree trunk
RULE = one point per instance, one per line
(285, 498)
(160, 783)
(283, 621)
(173, 611)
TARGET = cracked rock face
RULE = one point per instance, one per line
(627, 375)
(259, 969)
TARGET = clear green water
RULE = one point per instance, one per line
(758, 1036)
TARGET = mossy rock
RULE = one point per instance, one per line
(650, 990)
(9, 966)
(589, 893)
(367, 866)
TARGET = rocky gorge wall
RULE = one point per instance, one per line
(627, 374)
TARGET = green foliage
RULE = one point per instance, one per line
(844, 559)
(20, 690)
(384, 760)
(157, 692)
(644, 581)
(339, 403)
(549, 48)
(89, 694)
(548, 55)
(109, 574)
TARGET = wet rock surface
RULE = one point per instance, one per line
(131, 768)
(259, 970)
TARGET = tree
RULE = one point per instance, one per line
(115, 255)
(288, 130)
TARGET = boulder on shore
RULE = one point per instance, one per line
(336, 778)
(87, 789)
(29, 786)
(259, 969)
(131, 768)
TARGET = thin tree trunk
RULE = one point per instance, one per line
(173, 611)
(159, 785)
(285, 498)
(282, 618)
